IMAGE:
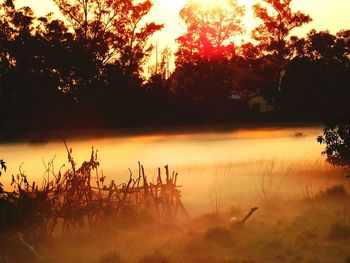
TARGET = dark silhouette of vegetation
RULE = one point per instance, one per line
(278, 20)
(69, 199)
(275, 43)
(330, 54)
(204, 76)
(336, 137)
(85, 68)
(80, 68)
(317, 80)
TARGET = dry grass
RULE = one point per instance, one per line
(77, 196)
(303, 213)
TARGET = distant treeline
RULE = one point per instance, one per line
(86, 67)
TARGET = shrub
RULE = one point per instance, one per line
(112, 257)
(156, 257)
(219, 235)
(339, 231)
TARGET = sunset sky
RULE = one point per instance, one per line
(327, 14)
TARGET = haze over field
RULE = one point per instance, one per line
(188, 131)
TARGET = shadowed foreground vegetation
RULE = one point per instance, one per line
(316, 231)
(68, 201)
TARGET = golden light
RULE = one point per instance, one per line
(208, 4)
(246, 2)
(175, 5)
(221, 3)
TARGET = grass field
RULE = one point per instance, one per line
(303, 203)
(303, 216)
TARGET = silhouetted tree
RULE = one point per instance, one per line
(204, 77)
(332, 53)
(317, 81)
(111, 32)
(86, 69)
(162, 67)
(274, 40)
(322, 45)
(205, 89)
(210, 32)
(26, 75)
(278, 20)
(95, 57)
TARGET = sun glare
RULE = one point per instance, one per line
(175, 5)
(246, 2)
(222, 3)
(211, 4)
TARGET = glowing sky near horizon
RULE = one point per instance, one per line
(332, 15)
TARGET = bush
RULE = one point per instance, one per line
(156, 257)
(336, 193)
(219, 235)
(336, 137)
(112, 257)
(339, 231)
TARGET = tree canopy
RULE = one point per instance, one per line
(278, 21)
(85, 67)
(111, 32)
(211, 31)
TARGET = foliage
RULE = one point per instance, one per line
(211, 31)
(52, 69)
(111, 32)
(207, 86)
(274, 43)
(85, 67)
(316, 81)
(336, 137)
(205, 77)
(278, 20)
(323, 45)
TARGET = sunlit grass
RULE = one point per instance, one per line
(247, 183)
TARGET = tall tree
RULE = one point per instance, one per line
(111, 32)
(211, 30)
(25, 75)
(332, 49)
(317, 81)
(278, 21)
(204, 79)
(275, 43)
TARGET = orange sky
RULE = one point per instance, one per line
(327, 14)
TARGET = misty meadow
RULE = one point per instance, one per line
(174, 131)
